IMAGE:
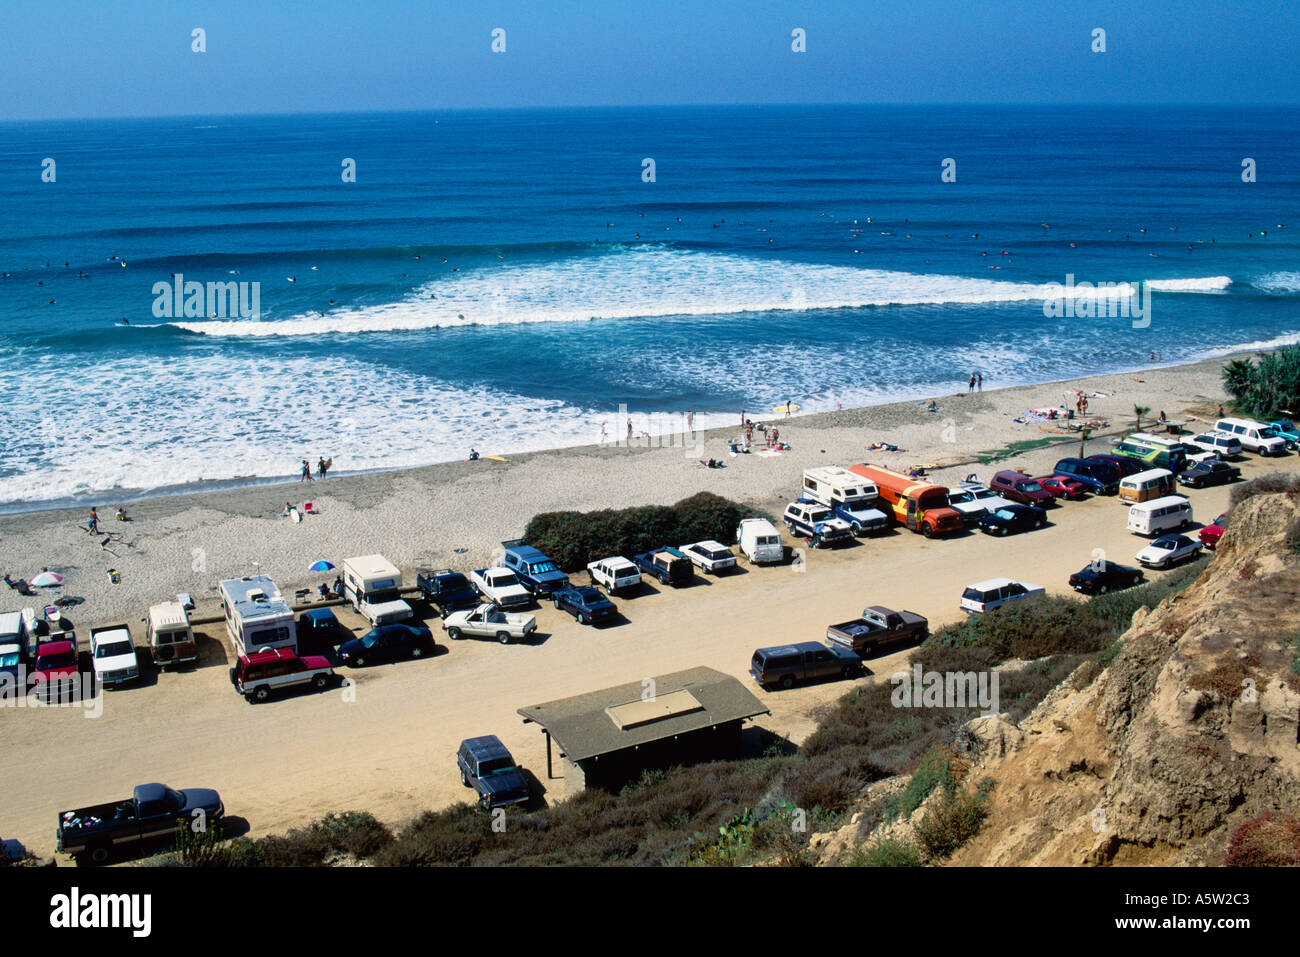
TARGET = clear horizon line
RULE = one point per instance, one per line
(1022, 104)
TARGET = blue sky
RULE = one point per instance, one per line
(133, 58)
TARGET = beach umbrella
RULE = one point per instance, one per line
(320, 566)
(47, 580)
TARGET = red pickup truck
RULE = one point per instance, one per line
(56, 673)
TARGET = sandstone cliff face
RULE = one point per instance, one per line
(1193, 729)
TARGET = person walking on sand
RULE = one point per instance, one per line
(604, 435)
(321, 467)
(979, 381)
(690, 420)
(629, 430)
(971, 387)
(743, 420)
(92, 525)
(304, 474)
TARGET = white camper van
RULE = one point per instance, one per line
(759, 541)
(373, 586)
(1253, 435)
(1167, 514)
(257, 616)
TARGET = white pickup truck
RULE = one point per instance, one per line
(113, 656)
(614, 574)
(501, 586)
(489, 621)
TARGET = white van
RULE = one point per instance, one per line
(168, 635)
(373, 586)
(1165, 514)
(759, 541)
(1145, 486)
(1253, 435)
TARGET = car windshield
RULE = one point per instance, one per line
(368, 641)
(495, 766)
(112, 649)
(820, 515)
(8, 659)
(1165, 543)
(1005, 513)
(1032, 487)
(541, 568)
(960, 498)
(50, 662)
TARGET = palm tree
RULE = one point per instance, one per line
(1239, 377)
(1139, 411)
(1083, 441)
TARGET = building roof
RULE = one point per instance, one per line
(255, 596)
(612, 719)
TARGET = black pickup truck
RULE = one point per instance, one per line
(785, 664)
(879, 629)
(666, 564)
(446, 590)
(152, 811)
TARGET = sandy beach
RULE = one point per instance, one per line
(455, 514)
(389, 747)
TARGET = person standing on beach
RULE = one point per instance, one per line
(629, 430)
(743, 420)
(603, 434)
(92, 525)
(971, 387)
(321, 467)
(690, 420)
(979, 381)
(306, 472)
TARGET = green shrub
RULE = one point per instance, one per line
(1116, 608)
(1039, 626)
(935, 770)
(952, 822)
(885, 852)
(354, 832)
(1270, 840)
(573, 539)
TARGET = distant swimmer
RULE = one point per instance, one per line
(313, 268)
(125, 321)
(444, 258)
(291, 278)
(417, 259)
(122, 264)
(1073, 245)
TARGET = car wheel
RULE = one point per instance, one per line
(98, 854)
(359, 661)
(319, 682)
(557, 604)
(847, 672)
(815, 541)
(503, 637)
(787, 682)
(1040, 523)
(261, 693)
(867, 651)
(856, 528)
(453, 633)
(416, 651)
(464, 779)
(1135, 579)
(1102, 589)
(583, 619)
(926, 530)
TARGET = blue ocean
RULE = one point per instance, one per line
(430, 282)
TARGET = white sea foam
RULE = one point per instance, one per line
(651, 282)
(1282, 281)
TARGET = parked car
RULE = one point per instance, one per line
(487, 766)
(1224, 445)
(614, 574)
(168, 635)
(112, 655)
(1100, 478)
(1286, 430)
(1021, 488)
(1168, 550)
(1209, 473)
(1063, 486)
(152, 811)
(709, 556)
(501, 586)
(974, 501)
(535, 571)
(996, 592)
(1210, 534)
(586, 604)
(257, 675)
(1253, 435)
(320, 627)
(1097, 578)
(1159, 515)
(1013, 518)
(759, 541)
(387, 643)
(489, 621)
(879, 629)
(667, 565)
(1124, 464)
(446, 590)
(815, 521)
(785, 664)
(55, 674)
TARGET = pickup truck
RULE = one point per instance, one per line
(614, 574)
(586, 604)
(500, 586)
(535, 571)
(709, 556)
(446, 590)
(55, 674)
(879, 628)
(113, 656)
(785, 664)
(489, 621)
(666, 564)
(153, 810)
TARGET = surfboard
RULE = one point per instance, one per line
(297, 515)
(780, 409)
(494, 458)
